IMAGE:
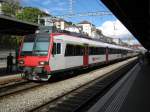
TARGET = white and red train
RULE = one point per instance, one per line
(41, 55)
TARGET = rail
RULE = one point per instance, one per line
(80, 98)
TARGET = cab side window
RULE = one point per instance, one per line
(56, 48)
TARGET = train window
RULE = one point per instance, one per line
(58, 48)
(90, 50)
(109, 50)
(93, 50)
(113, 51)
(96, 50)
(101, 50)
(79, 50)
(119, 51)
(69, 50)
(73, 50)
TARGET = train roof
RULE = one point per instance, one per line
(81, 38)
(90, 42)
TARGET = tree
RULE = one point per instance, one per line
(31, 14)
(99, 32)
(10, 7)
(9, 42)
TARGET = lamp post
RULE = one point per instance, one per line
(114, 28)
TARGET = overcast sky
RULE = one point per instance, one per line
(109, 24)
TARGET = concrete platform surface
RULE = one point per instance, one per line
(130, 94)
(138, 99)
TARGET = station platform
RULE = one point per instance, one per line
(3, 65)
(3, 71)
(138, 99)
(130, 94)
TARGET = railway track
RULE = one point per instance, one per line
(15, 86)
(10, 79)
(9, 83)
(81, 98)
(36, 98)
(18, 87)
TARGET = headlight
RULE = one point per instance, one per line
(43, 63)
(21, 62)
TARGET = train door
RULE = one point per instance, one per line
(57, 60)
(107, 54)
(85, 55)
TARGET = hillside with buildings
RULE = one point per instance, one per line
(35, 15)
(84, 27)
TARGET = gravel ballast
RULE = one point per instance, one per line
(35, 97)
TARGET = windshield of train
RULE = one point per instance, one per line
(28, 45)
(41, 44)
(36, 44)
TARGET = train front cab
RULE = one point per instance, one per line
(34, 55)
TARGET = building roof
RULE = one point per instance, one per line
(85, 22)
(72, 26)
